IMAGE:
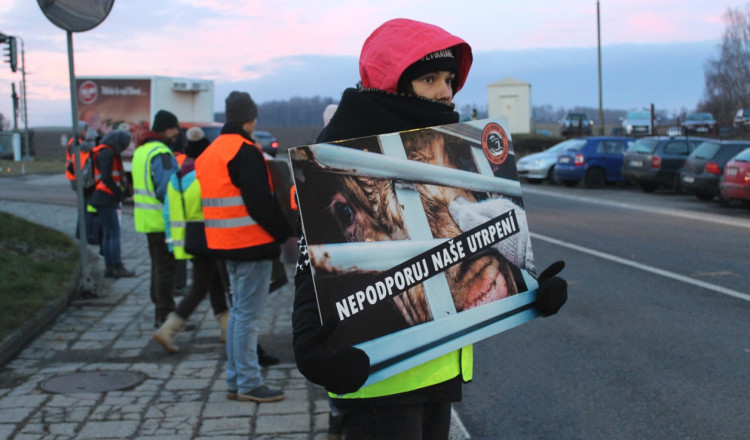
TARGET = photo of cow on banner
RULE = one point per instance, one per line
(418, 240)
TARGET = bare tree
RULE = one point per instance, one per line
(4, 122)
(728, 76)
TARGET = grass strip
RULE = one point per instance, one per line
(36, 266)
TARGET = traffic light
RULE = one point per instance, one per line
(10, 52)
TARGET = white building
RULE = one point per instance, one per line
(510, 98)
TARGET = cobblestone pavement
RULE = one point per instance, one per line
(181, 396)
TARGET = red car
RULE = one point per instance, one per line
(735, 182)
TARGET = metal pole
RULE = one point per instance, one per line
(14, 97)
(599, 49)
(79, 179)
(651, 130)
(23, 99)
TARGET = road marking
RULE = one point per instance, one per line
(457, 430)
(636, 265)
(700, 216)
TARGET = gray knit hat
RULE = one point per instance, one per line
(240, 108)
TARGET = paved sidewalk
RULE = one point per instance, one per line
(181, 395)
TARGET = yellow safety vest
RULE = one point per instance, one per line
(433, 372)
(184, 206)
(148, 209)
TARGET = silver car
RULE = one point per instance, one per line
(638, 123)
(538, 167)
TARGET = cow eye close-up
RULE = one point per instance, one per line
(344, 213)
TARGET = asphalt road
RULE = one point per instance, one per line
(654, 342)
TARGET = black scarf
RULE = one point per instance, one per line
(368, 112)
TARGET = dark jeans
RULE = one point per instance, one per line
(425, 421)
(206, 279)
(162, 275)
(110, 245)
(180, 274)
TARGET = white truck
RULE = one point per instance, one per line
(109, 103)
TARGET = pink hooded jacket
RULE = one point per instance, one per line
(398, 43)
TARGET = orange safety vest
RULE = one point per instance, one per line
(70, 159)
(180, 157)
(227, 222)
(117, 170)
(293, 198)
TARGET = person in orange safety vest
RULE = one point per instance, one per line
(244, 226)
(109, 192)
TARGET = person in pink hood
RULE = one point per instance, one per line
(410, 71)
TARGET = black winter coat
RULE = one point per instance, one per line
(368, 112)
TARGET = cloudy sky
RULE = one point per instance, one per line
(236, 41)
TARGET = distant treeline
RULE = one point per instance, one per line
(303, 112)
(547, 114)
(296, 112)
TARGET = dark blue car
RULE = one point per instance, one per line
(595, 160)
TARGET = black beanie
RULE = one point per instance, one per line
(240, 108)
(436, 61)
(164, 120)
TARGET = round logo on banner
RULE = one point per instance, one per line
(495, 143)
(88, 92)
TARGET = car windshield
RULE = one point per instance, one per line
(211, 132)
(743, 156)
(575, 144)
(638, 115)
(645, 146)
(706, 150)
(699, 117)
(577, 116)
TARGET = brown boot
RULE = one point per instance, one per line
(166, 333)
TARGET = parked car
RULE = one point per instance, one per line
(267, 141)
(698, 123)
(742, 119)
(704, 166)
(538, 167)
(656, 161)
(637, 123)
(596, 160)
(735, 182)
(576, 124)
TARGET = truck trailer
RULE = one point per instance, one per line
(129, 103)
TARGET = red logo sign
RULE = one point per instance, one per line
(88, 92)
(495, 143)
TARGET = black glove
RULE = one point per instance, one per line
(553, 291)
(340, 371)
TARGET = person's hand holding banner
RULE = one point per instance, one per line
(339, 371)
(553, 290)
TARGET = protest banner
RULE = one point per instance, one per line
(418, 240)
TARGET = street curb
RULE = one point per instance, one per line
(12, 344)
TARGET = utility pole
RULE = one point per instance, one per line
(87, 16)
(24, 102)
(11, 57)
(599, 50)
(14, 97)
